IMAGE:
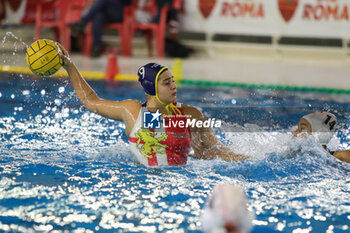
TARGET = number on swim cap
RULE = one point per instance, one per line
(331, 124)
(142, 72)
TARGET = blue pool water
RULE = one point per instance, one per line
(63, 168)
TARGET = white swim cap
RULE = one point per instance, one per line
(323, 125)
(227, 206)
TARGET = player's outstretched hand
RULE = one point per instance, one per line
(65, 56)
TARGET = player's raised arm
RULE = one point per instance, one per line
(85, 93)
(125, 110)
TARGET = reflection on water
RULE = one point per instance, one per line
(65, 169)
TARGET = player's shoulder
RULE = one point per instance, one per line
(131, 104)
(343, 155)
(191, 111)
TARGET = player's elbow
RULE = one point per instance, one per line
(92, 104)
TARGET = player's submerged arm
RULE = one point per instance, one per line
(206, 145)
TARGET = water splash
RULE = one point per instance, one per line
(9, 57)
(13, 36)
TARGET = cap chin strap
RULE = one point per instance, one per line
(170, 108)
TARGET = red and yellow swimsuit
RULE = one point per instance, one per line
(169, 145)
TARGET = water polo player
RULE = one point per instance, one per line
(322, 126)
(152, 147)
(226, 211)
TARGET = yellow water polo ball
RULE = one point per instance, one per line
(43, 57)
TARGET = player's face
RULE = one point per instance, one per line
(166, 87)
(304, 128)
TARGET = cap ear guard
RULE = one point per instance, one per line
(323, 125)
(148, 76)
